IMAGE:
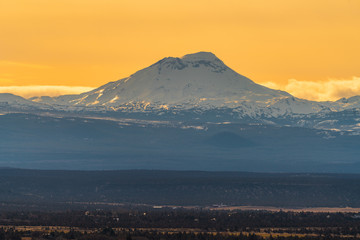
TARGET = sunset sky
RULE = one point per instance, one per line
(308, 48)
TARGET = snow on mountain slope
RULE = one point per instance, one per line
(348, 103)
(10, 102)
(8, 98)
(292, 105)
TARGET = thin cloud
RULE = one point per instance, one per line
(34, 90)
(6, 80)
(331, 90)
(22, 64)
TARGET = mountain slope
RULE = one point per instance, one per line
(8, 98)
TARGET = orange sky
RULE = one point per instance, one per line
(284, 44)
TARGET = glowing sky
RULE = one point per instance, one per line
(309, 48)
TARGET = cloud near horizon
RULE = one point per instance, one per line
(330, 90)
(43, 90)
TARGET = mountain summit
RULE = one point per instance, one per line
(194, 80)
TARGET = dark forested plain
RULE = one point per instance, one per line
(21, 188)
(162, 205)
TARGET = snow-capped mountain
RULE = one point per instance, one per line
(195, 79)
(199, 80)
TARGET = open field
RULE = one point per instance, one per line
(264, 233)
(277, 209)
(179, 223)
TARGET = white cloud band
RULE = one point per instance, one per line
(331, 90)
(43, 90)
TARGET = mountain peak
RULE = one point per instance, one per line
(200, 56)
(194, 60)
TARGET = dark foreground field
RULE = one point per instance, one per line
(179, 205)
(156, 224)
(41, 189)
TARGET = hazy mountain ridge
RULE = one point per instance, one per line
(47, 142)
